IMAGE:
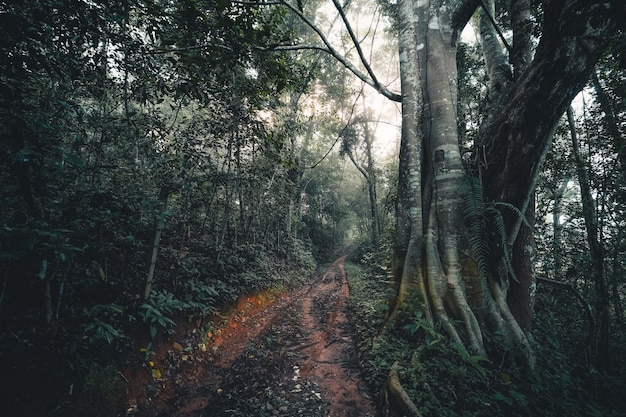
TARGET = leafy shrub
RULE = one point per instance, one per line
(444, 380)
(159, 309)
(301, 256)
(104, 324)
(201, 297)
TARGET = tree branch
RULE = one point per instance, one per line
(356, 164)
(496, 61)
(340, 135)
(495, 25)
(521, 53)
(296, 47)
(162, 50)
(399, 396)
(372, 82)
(463, 13)
(355, 41)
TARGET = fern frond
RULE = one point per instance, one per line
(501, 229)
(516, 211)
(474, 205)
(477, 215)
(474, 210)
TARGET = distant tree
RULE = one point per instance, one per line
(357, 144)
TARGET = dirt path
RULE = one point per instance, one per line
(289, 356)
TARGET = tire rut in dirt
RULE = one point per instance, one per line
(303, 363)
(266, 381)
(330, 355)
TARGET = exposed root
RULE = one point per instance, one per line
(396, 397)
(514, 332)
(454, 291)
(412, 279)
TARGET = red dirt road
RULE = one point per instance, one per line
(289, 355)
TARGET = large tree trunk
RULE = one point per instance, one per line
(432, 246)
(408, 256)
(371, 187)
(436, 261)
(516, 136)
(369, 174)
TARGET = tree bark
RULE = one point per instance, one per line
(371, 188)
(431, 244)
(601, 338)
(396, 396)
(408, 256)
(611, 123)
(521, 53)
(496, 61)
(521, 294)
(159, 224)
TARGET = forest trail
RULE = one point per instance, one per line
(289, 355)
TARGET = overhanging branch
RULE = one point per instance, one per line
(355, 41)
(369, 80)
(463, 13)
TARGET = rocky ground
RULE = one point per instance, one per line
(291, 354)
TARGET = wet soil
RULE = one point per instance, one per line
(291, 354)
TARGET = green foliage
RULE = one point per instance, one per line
(147, 351)
(419, 324)
(158, 311)
(475, 361)
(201, 297)
(443, 379)
(367, 304)
(474, 210)
(101, 331)
(375, 259)
(301, 256)
(102, 106)
(482, 216)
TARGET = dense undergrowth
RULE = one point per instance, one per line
(443, 380)
(70, 364)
